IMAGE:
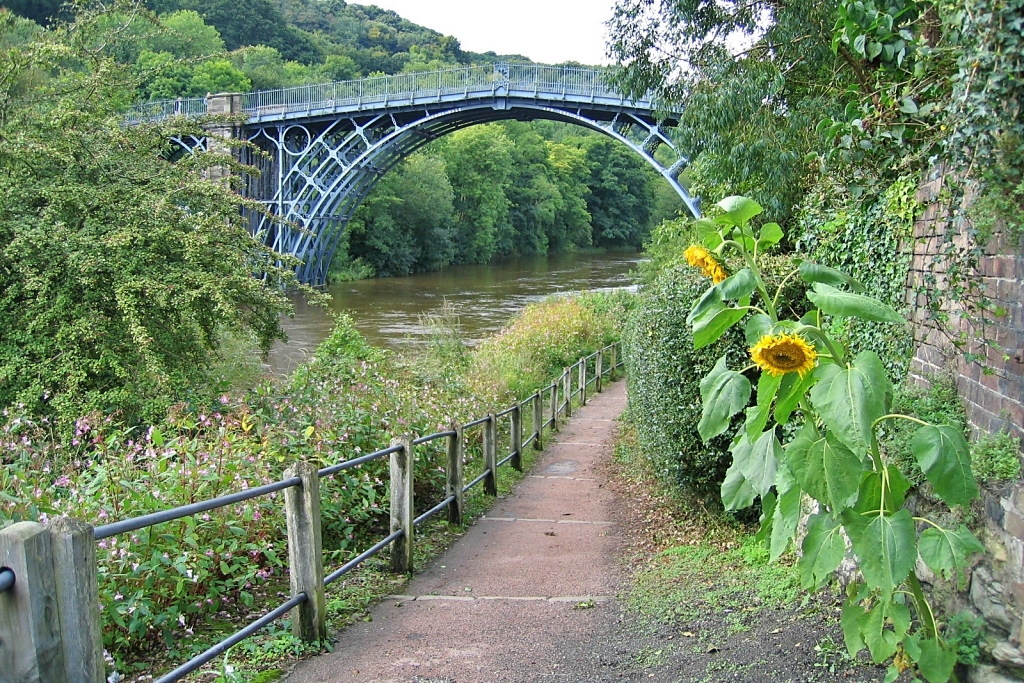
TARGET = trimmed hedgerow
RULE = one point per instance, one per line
(664, 372)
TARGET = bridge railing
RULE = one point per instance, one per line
(378, 90)
(49, 591)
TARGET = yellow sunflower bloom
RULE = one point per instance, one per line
(784, 353)
(699, 257)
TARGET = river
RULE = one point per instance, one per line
(387, 310)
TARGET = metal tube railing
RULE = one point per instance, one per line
(229, 642)
(7, 577)
(135, 523)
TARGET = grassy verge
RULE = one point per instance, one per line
(705, 602)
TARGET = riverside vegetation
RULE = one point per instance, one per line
(162, 588)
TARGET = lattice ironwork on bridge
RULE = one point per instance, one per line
(326, 146)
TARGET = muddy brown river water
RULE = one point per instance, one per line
(388, 310)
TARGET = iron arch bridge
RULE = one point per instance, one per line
(326, 146)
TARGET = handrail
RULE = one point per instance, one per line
(7, 577)
(464, 81)
(135, 523)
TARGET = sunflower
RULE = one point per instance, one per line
(784, 353)
(699, 257)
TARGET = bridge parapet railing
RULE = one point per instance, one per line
(412, 87)
(49, 597)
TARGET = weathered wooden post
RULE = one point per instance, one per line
(454, 484)
(598, 370)
(78, 602)
(305, 552)
(402, 504)
(30, 643)
(554, 405)
(611, 371)
(491, 455)
(567, 391)
(583, 381)
(538, 422)
(517, 437)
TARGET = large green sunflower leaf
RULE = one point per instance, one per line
(737, 493)
(723, 393)
(837, 302)
(740, 209)
(710, 318)
(786, 515)
(791, 390)
(828, 471)
(885, 545)
(814, 272)
(945, 459)
(824, 547)
(758, 460)
(936, 661)
(850, 399)
(945, 552)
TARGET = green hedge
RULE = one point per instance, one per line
(664, 372)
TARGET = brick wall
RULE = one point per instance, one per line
(994, 401)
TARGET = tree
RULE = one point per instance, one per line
(40, 11)
(120, 270)
(755, 84)
(185, 35)
(621, 199)
(571, 174)
(479, 161)
(406, 224)
(216, 76)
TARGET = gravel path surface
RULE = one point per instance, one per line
(528, 594)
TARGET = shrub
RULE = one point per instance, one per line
(664, 372)
(996, 457)
(546, 337)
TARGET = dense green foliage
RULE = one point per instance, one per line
(500, 190)
(832, 108)
(157, 592)
(120, 271)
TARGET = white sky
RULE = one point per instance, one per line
(548, 31)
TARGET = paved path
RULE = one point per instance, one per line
(526, 595)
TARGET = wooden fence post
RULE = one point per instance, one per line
(598, 370)
(567, 390)
(611, 372)
(78, 601)
(583, 381)
(554, 405)
(538, 422)
(491, 455)
(305, 552)
(402, 504)
(30, 646)
(454, 484)
(517, 437)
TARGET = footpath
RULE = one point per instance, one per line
(527, 594)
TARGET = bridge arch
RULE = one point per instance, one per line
(324, 186)
(322, 148)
